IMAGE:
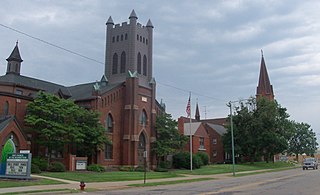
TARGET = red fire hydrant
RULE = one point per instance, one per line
(82, 185)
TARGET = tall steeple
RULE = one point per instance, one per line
(264, 88)
(14, 61)
(197, 116)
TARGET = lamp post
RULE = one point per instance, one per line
(232, 139)
(231, 126)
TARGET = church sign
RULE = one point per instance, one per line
(18, 165)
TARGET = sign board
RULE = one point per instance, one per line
(81, 165)
(19, 165)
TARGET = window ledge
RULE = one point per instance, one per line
(202, 149)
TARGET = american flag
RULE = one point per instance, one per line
(188, 108)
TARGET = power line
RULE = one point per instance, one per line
(94, 60)
(193, 92)
(51, 44)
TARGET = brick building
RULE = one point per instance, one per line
(206, 136)
(125, 97)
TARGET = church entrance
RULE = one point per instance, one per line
(141, 149)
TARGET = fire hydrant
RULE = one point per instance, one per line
(82, 185)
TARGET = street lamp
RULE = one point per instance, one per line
(230, 104)
(232, 139)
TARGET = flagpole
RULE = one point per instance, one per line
(190, 134)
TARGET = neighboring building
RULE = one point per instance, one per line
(125, 97)
(206, 136)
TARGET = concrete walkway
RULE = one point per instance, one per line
(108, 185)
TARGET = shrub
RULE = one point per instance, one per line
(35, 168)
(179, 160)
(140, 169)
(159, 169)
(56, 167)
(96, 168)
(126, 168)
(204, 157)
(164, 164)
(182, 160)
(41, 163)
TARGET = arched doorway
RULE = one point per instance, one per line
(141, 149)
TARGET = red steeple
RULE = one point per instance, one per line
(264, 87)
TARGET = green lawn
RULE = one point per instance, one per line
(109, 176)
(227, 168)
(126, 176)
(8, 183)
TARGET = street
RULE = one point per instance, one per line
(291, 182)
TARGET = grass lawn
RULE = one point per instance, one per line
(227, 168)
(170, 182)
(8, 183)
(109, 176)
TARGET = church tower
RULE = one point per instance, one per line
(264, 88)
(129, 51)
(14, 61)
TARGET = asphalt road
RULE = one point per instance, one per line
(295, 181)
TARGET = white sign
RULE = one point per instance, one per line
(81, 165)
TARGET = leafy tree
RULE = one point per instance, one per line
(58, 122)
(169, 140)
(260, 129)
(303, 140)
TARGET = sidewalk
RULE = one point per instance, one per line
(109, 185)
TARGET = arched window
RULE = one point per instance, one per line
(109, 124)
(123, 62)
(145, 65)
(126, 36)
(115, 64)
(142, 141)
(139, 63)
(6, 108)
(121, 37)
(143, 118)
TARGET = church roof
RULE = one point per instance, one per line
(264, 86)
(110, 21)
(4, 121)
(84, 91)
(33, 83)
(15, 55)
(133, 15)
(149, 24)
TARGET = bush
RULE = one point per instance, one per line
(159, 169)
(182, 160)
(41, 163)
(164, 164)
(56, 167)
(179, 160)
(140, 169)
(35, 168)
(96, 168)
(204, 157)
(126, 168)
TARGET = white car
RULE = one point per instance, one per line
(310, 163)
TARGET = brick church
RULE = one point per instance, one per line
(125, 96)
(207, 134)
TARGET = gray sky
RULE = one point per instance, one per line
(211, 48)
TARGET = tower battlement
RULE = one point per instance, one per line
(129, 48)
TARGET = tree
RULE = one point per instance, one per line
(303, 140)
(169, 140)
(58, 122)
(260, 129)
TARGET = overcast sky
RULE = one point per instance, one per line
(211, 48)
